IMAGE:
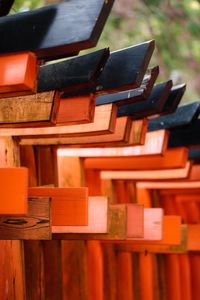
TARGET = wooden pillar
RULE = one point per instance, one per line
(12, 284)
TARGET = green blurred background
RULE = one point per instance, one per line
(174, 24)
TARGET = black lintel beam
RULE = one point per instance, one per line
(125, 68)
(184, 115)
(194, 154)
(151, 106)
(174, 98)
(187, 136)
(55, 30)
(5, 7)
(73, 75)
(132, 96)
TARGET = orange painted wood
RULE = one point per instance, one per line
(183, 259)
(93, 182)
(34, 275)
(14, 190)
(173, 279)
(18, 73)
(179, 209)
(95, 271)
(135, 220)
(193, 212)
(185, 277)
(46, 162)
(104, 123)
(155, 143)
(12, 279)
(146, 276)
(195, 274)
(124, 220)
(172, 236)
(195, 173)
(75, 110)
(74, 270)
(153, 225)
(173, 158)
(171, 185)
(97, 218)
(27, 159)
(189, 197)
(69, 205)
(167, 174)
(119, 190)
(110, 271)
(193, 241)
(52, 262)
(127, 132)
(143, 197)
(125, 276)
(171, 230)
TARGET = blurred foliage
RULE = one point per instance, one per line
(174, 24)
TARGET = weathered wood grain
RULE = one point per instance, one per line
(131, 96)
(184, 115)
(53, 31)
(151, 106)
(9, 152)
(35, 225)
(12, 282)
(46, 109)
(104, 122)
(25, 109)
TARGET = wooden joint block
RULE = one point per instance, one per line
(14, 190)
(79, 109)
(18, 73)
(35, 225)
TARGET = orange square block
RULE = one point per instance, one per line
(13, 191)
(18, 72)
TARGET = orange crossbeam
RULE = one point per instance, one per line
(69, 205)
